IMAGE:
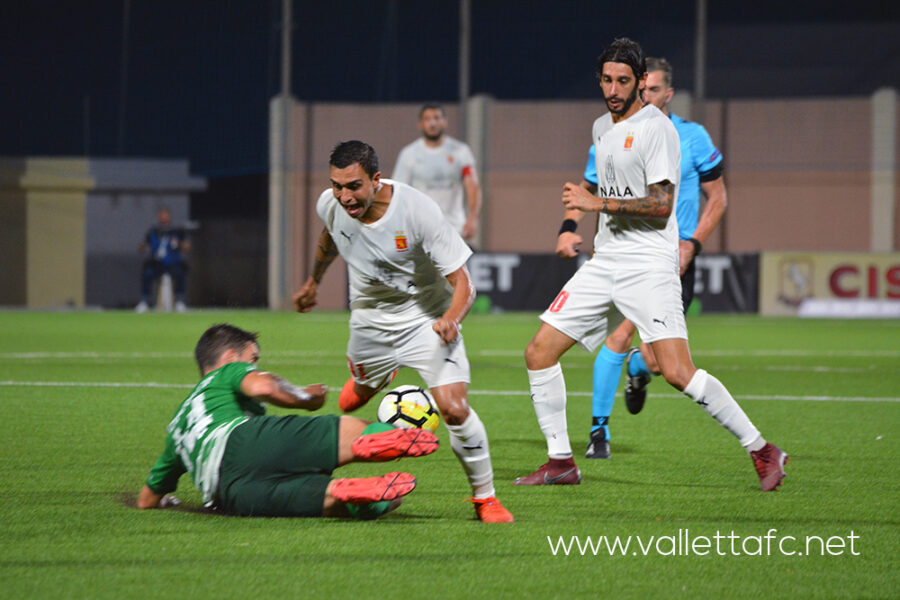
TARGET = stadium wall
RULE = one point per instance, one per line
(799, 173)
(70, 227)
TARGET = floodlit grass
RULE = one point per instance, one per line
(86, 397)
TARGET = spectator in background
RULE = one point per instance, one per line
(443, 168)
(164, 246)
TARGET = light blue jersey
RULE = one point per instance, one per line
(699, 156)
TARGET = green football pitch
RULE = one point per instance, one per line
(676, 511)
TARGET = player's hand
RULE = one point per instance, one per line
(168, 501)
(576, 197)
(469, 229)
(317, 391)
(567, 244)
(685, 255)
(448, 329)
(305, 298)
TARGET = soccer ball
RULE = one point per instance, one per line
(409, 406)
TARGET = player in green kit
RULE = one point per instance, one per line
(246, 463)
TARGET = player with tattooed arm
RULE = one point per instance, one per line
(633, 272)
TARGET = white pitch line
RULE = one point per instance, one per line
(838, 353)
(31, 355)
(739, 353)
(681, 396)
(36, 355)
(799, 369)
(152, 384)
(107, 384)
(484, 353)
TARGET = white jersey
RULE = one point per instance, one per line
(438, 172)
(398, 264)
(631, 154)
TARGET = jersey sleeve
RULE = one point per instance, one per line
(466, 160)
(661, 152)
(403, 168)
(325, 207)
(168, 469)
(233, 374)
(440, 240)
(706, 156)
(590, 170)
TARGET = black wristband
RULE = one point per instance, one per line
(568, 225)
(697, 245)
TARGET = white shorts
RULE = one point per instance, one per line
(375, 354)
(603, 290)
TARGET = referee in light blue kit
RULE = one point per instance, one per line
(701, 170)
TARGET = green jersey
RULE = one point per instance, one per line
(200, 428)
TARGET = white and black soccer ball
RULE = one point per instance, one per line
(409, 406)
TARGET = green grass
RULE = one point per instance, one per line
(73, 455)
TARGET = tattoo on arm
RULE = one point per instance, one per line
(657, 204)
(326, 252)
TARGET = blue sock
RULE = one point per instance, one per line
(637, 366)
(607, 372)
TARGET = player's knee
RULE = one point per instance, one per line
(618, 341)
(650, 361)
(678, 376)
(536, 356)
(455, 412)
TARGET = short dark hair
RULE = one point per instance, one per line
(355, 152)
(431, 106)
(626, 51)
(660, 64)
(218, 339)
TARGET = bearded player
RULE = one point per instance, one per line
(633, 272)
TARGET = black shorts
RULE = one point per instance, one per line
(278, 466)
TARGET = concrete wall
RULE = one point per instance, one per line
(70, 227)
(42, 231)
(798, 172)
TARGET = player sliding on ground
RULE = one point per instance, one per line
(632, 273)
(409, 291)
(246, 463)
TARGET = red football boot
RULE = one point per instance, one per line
(373, 489)
(396, 443)
(556, 471)
(769, 462)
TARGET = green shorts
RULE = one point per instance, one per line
(278, 466)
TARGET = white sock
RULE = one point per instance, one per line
(548, 392)
(711, 395)
(470, 444)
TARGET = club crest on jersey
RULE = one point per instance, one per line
(450, 159)
(400, 241)
(629, 141)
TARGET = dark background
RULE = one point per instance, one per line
(193, 79)
(198, 75)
